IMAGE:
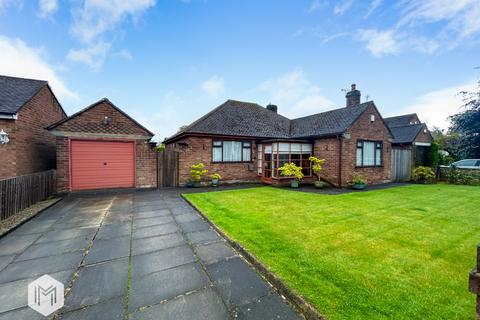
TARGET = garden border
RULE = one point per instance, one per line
(302, 305)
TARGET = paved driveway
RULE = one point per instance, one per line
(144, 254)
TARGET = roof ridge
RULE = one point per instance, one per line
(332, 110)
(21, 78)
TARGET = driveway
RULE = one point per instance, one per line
(144, 254)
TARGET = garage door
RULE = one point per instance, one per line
(102, 164)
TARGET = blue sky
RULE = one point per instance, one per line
(168, 62)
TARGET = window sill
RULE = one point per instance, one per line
(360, 167)
(229, 162)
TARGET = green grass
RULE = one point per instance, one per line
(400, 253)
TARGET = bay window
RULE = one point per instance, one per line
(231, 151)
(273, 156)
(369, 153)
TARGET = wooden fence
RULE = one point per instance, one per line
(168, 169)
(21, 192)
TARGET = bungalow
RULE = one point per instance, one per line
(27, 106)
(244, 142)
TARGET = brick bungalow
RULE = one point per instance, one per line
(27, 106)
(101, 147)
(244, 141)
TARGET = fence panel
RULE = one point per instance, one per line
(168, 169)
(21, 192)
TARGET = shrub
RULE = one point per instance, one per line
(291, 170)
(357, 178)
(160, 147)
(197, 171)
(423, 174)
(216, 176)
(316, 165)
(433, 155)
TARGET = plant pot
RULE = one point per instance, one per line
(197, 184)
(294, 183)
(214, 182)
(189, 184)
(319, 184)
(358, 186)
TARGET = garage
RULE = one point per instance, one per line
(102, 147)
(102, 164)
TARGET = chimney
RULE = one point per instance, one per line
(272, 107)
(353, 97)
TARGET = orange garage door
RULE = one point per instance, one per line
(102, 164)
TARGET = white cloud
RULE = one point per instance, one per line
(20, 60)
(47, 7)
(342, 7)
(435, 107)
(124, 54)
(373, 6)
(94, 56)
(295, 94)
(96, 17)
(316, 5)
(214, 86)
(379, 43)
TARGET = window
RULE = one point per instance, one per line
(369, 153)
(231, 151)
(285, 152)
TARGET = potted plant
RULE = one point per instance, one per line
(358, 181)
(423, 175)
(291, 170)
(317, 168)
(215, 177)
(189, 183)
(196, 172)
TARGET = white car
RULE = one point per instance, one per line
(467, 164)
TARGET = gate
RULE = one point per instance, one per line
(401, 164)
(168, 168)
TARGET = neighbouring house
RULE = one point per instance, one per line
(244, 141)
(101, 147)
(27, 106)
(410, 144)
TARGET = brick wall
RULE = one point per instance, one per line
(200, 150)
(328, 149)
(63, 164)
(424, 137)
(364, 129)
(8, 155)
(146, 164)
(31, 148)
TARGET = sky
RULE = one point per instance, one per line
(168, 62)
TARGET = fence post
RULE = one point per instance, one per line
(474, 281)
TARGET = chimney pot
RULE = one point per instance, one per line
(272, 107)
(353, 97)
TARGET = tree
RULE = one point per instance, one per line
(467, 123)
(448, 141)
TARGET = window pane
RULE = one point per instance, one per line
(246, 154)
(284, 147)
(368, 153)
(217, 143)
(246, 144)
(306, 147)
(295, 147)
(232, 151)
(359, 157)
(268, 149)
(378, 159)
(217, 154)
(274, 147)
(284, 156)
(295, 156)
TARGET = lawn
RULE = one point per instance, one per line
(400, 253)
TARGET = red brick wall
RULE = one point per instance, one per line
(92, 120)
(328, 149)
(8, 155)
(31, 148)
(146, 164)
(364, 129)
(63, 164)
(424, 137)
(200, 150)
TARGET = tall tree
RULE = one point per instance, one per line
(467, 123)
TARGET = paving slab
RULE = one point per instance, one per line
(152, 214)
(37, 267)
(99, 282)
(12, 244)
(144, 245)
(26, 313)
(56, 235)
(187, 217)
(160, 260)
(237, 282)
(47, 249)
(193, 226)
(108, 310)
(205, 236)
(157, 230)
(5, 260)
(108, 249)
(270, 307)
(214, 252)
(114, 230)
(35, 226)
(165, 285)
(204, 304)
(147, 222)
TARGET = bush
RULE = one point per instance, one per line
(358, 179)
(462, 176)
(216, 176)
(433, 157)
(197, 171)
(291, 170)
(316, 165)
(423, 174)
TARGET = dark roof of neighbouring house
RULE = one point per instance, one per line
(237, 118)
(15, 92)
(103, 100)
(406, 134)
(400, 121)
